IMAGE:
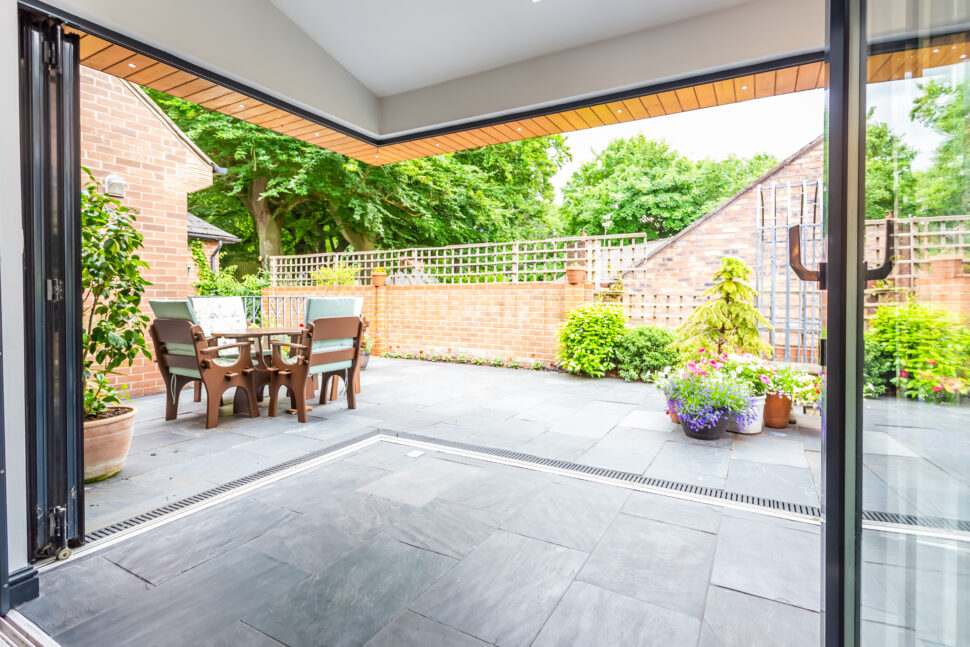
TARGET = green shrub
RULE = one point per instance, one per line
(225, 283)
(589, 338)
(927, 351)
(339, 275)
(644, 350)
(514, 363)
(478, 361)
(498, 361)
(877, 370)
(537, 366)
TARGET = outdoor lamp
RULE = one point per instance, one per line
(114, 185)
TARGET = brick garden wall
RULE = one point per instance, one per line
(487, 320)
(120, 135)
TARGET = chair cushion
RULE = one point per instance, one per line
(332, 366)
(319, 307)
(173, 309)
(175, 348)
(332, 344)
(226, 314)
(187, 372)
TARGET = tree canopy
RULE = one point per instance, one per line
(944, 188)
(890, 182)
(282, 195)
(642, 185)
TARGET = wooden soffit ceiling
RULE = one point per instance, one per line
(124, 63)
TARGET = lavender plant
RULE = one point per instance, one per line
(703, 397)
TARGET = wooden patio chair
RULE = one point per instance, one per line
(329, 347)
(184, 355)
(326, 307)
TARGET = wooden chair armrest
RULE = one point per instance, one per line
(216, 349)
(276, 342)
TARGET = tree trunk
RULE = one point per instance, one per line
(361, 242)
(269, 230)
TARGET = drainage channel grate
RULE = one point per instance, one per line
(181, 504)
(629, 477)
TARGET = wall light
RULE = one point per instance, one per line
(114, 185)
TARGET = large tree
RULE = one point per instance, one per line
(944, 188)
(890, 182)
(642, 185)
(299, 197)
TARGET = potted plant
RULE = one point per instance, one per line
(378, 277)
(575, 274)
(113, 333)
(365, 348)
(757, 375)
(706, 400)
(790, 385)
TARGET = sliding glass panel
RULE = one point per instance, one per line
(915, 574)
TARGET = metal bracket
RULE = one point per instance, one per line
(795, 259)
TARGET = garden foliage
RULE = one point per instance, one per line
(729, 320)
(645, 350)
(112, 286)
(590, 338)
(340, 275)
(224, 283)
(703, 396)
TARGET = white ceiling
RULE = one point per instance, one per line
(395, 46)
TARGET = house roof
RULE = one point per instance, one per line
(202, 230)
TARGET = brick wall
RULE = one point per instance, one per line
(488, 320)
(120, 135)
(945, 286)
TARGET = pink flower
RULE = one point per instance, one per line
(764, 379)
(701, 350)
(904, 374)
(937, 388)
(932, 363)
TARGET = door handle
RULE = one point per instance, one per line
(795, 258)
(884, 270)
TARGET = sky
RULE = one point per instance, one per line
(777, 125)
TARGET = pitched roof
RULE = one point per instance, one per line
(202, 230)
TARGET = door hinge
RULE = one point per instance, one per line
(52, 46)
(55, 290)
(60, 538)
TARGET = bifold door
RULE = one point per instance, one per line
(50, 176)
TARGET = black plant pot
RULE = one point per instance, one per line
(707, 433)
(364, 358)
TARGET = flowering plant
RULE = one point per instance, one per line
(755, 372)
(703, 396)
(797, 385)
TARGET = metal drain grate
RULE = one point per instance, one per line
(639, 479)
(940, 523)
(181, 504)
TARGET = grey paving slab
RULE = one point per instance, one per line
(154, 439)
(319, 486)
(444, 527)
(779, 482)
(352, 600)
(574, 514)
(551, 444)
(675, 561)
(501, 497)
(734, 619)
(678, 512)
(190, 541)
(319, 538)
(411, 630)
(692, 463)
(766, 449)
(547, 413)
(169, 614)
(421, 483)
(74, 593)
(761, 557)
(240, 634)
(879, 442)
(283, 447)
(625, 449)
(386, 456)
(215, 441)
(504, 590)
(593, 420)
(655, 419)
(589, 615)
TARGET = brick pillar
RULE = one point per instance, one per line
(380, 320)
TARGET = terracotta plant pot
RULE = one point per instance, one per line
(106, 444)
(379, 278)
(575, 275)
(673, 417)
(777, 411)
(707, 433)
(755, 426)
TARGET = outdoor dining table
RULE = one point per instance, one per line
(262, 361)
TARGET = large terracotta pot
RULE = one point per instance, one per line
(673, 417)
(755, 426)
(378, 278)
(106, 444)
(777, 411)
(575, 275)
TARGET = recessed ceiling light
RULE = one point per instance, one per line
(963, 55)
(376, 156)
(936, 51)
(744, 87)
(316, 134)
(132, 65)
(519, 128)
(618, 111)
(437, 144)
(242, 105)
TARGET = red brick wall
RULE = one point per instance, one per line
(488, 320)
(946, 286)
(121, 136)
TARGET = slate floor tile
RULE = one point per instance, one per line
(564, 447)
(678, 512)
(351, 601)
(411, 630)
(240, 634)
(192, 540)
(765, 449)
(675, 561)
(691, 461)
(593, 420)
(768, 559)
(655, 419)
(574, 514)
(734, 619)
(589, 615)
(316, 487)
(421, 483)
(319, 538)
(500, 497)
(444, 527)
(169, 614)
(504, 590)
(779, 482)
